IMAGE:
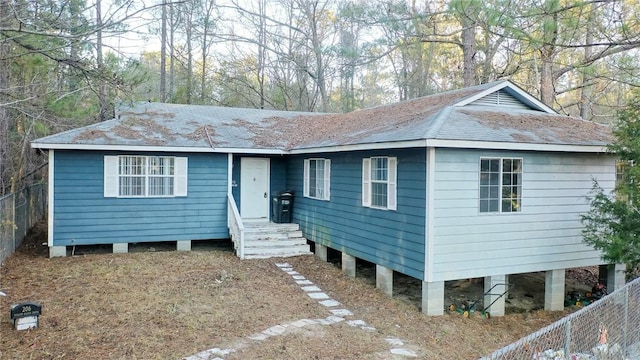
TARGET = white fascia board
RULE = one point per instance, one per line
(356, 147)
(155, 148)
(340, 148)
(493, 145)
(514, 88)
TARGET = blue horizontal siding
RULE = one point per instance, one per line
(394, 239)
(83, 216)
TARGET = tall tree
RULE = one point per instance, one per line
(613, 223)
(4, 100)
(163, 52)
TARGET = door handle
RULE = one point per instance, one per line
(265, 195)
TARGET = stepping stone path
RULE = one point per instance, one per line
(338, 314)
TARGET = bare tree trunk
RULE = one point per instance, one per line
(172, 63)
(102, 96)
(585, 93)
(4, 112)
(189, 8)
(468, 51)
(163, 54)
(262, 35)
(547, 54)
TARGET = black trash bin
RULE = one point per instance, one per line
(282, 207)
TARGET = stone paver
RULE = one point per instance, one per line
(329, 303)
(318, 295)
(314, 292)
(341, 312)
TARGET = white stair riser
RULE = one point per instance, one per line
(272, 236)
(262, 240)
(267, 253)
(276, 242)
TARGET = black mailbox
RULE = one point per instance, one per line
(282, 206)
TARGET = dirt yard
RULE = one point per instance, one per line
(157, 304)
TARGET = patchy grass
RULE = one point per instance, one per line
(168, 305)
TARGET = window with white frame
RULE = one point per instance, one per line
(500, 185)
(623, 180)
(317, 178)
(145, 176)
(379, 182)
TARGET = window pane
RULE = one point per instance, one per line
(160, 186)
(494, 179)
(484, 165)
(506, 179)
(316, 178)
(500, 185)
(131, 186)
(493, 205)
(379, 194)
(484, 205)
(484, 179)
(494, 165)
(379, 169)
(484, 192)
(506, 206)
(493, 192)
(146, 175)
(312, 178)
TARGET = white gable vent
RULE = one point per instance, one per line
(500, 98)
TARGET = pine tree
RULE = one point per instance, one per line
(613, 223)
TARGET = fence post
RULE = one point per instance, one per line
(14, 224)
(567, 339)
(625, 329)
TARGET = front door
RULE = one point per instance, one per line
(254, 188)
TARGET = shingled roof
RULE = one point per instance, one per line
(497, 112)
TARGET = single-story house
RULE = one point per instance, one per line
(484, 181)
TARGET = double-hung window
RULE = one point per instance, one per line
(379, 182)
(144, 176)
(500, 185)
(317, 178)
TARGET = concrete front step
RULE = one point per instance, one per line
(265, 240)
(271, 235)
(277, 243)
(271, 228)
(264, 253)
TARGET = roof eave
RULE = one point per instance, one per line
(435, 143)
(156, 148)
(495, 145)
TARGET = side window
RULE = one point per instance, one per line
(145, 176)
(379, 182)
(317, 178)
(500, 185)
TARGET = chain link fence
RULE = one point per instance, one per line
(19, 212)
(608, 329)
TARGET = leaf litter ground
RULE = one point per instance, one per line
(169, 305)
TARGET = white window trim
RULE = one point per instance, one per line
(112, 177)
(392, 201)
(326, 181)
(500, 212)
